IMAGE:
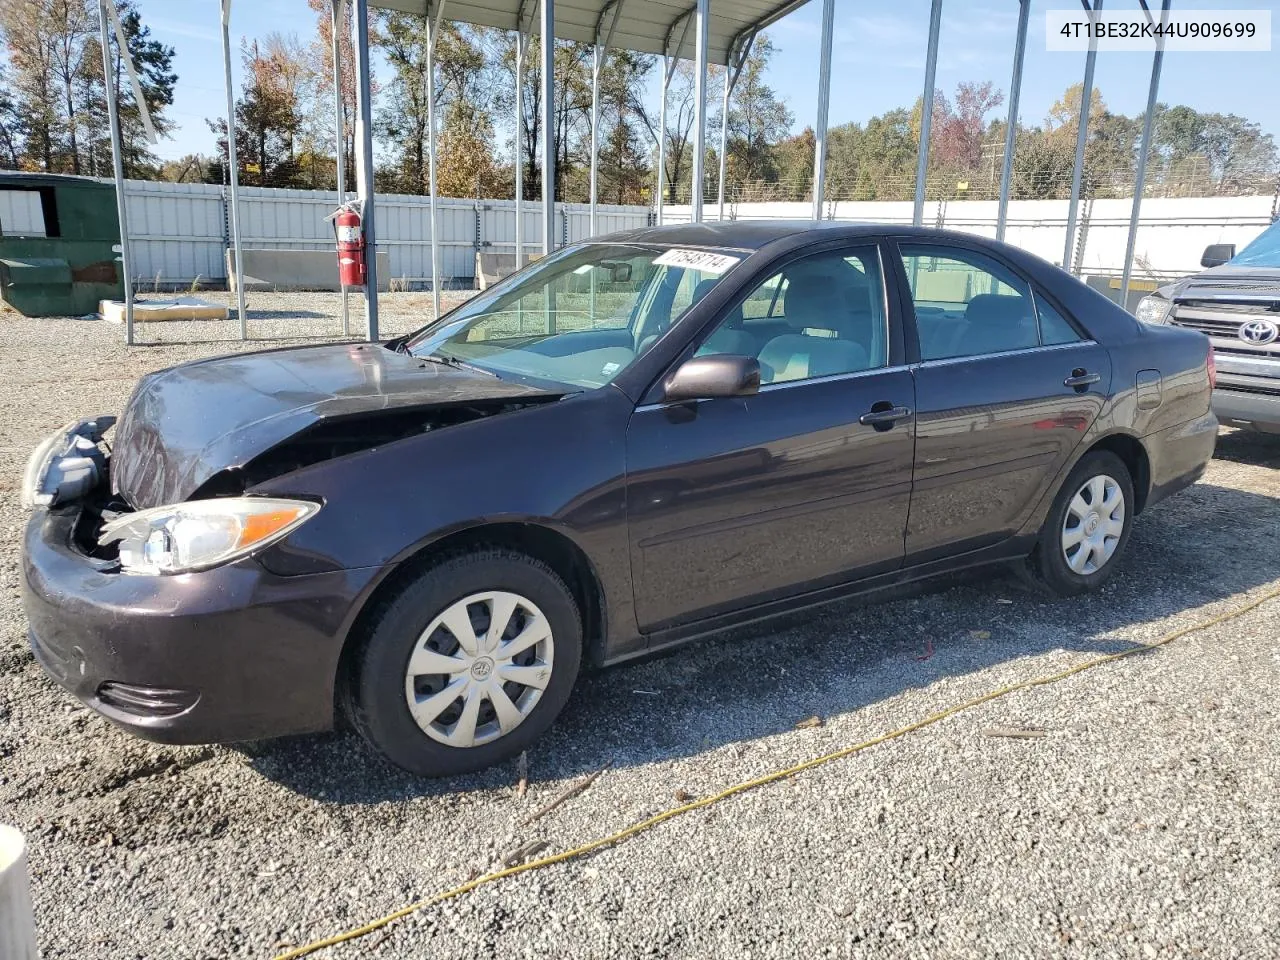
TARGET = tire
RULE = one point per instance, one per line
(1059, 566)
(408, 715)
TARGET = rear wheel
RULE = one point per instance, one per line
(1087, 527)
(467, 664)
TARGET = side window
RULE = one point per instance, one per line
(967, 304)
(765, 301)
(826, 316)
(692, 287)
(1054, 327)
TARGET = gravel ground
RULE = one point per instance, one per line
(1146, 823)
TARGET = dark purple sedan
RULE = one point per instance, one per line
(634, 442)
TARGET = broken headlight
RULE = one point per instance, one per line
(204, 533)
(66, 465)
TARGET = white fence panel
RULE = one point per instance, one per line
(21, 214)
(179, 231)
(1172, 232)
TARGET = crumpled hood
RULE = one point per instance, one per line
(186, 424)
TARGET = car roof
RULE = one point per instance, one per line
(755, 234)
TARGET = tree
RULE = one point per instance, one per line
(70, 31)
(153, 62)
(10, 130)
(193, 168)
(268, 117)
(794, 160)
(57, 91)
(960, 126)
(875, 162)
(462, 73)
(29, 34)
(623, 159)
(1239, 153)
(320, 60)
(758, 119)
(466, 166)
(679, 131)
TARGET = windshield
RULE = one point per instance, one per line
(579, 317)
(1263, 252)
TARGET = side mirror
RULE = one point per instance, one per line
(619, 270)
(721, 375)
(1216, 254)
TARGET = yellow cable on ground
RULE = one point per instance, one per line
(666, 815)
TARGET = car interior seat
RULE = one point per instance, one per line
(822, 299)
(996, 322)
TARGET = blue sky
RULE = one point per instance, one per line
(878, 60)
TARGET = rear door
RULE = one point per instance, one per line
(1006, 387)
(734, 501)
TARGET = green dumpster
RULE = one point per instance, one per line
(59, 244)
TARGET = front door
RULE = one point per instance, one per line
(1005, 390)
(740, 500)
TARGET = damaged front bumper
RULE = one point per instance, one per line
(67, 464)
(231, 653)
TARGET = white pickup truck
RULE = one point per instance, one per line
(1236, 302)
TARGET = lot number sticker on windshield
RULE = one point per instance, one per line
(702, 260)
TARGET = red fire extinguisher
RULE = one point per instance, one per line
(350, 233)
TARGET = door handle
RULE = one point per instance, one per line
(1081, 378)
(883, 415)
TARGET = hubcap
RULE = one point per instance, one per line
(1093, 525)
(479, 668)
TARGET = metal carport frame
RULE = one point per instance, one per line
(722, 36)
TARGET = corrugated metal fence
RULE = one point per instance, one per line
(179, 230)
(1172, 232)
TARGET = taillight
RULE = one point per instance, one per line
(1213, 369)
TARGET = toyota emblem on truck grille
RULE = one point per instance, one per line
(1259, 332)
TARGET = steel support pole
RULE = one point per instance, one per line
(669, 63)
(926, 110)
(1140, 179)
(703, 15)
(724, 141)
(824, 109)
(597, 68)
(1082, 137)
(364, 162)
(1011, 125)
(662, 137)
(521, 46)
(597, 64)
(117, 161)
(548, 50)
(433, 34)
(232, 161)
(339, 116)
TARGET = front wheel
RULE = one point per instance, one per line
(1087, 527)
(467, 664)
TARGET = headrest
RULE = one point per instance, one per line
(703, 288)
(814, 301)
(997, 310)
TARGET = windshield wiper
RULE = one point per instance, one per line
(448, 360)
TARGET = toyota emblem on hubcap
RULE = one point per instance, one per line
(481, 669)
(1259, 332)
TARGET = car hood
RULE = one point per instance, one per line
(188, 423)
(1228, 283)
